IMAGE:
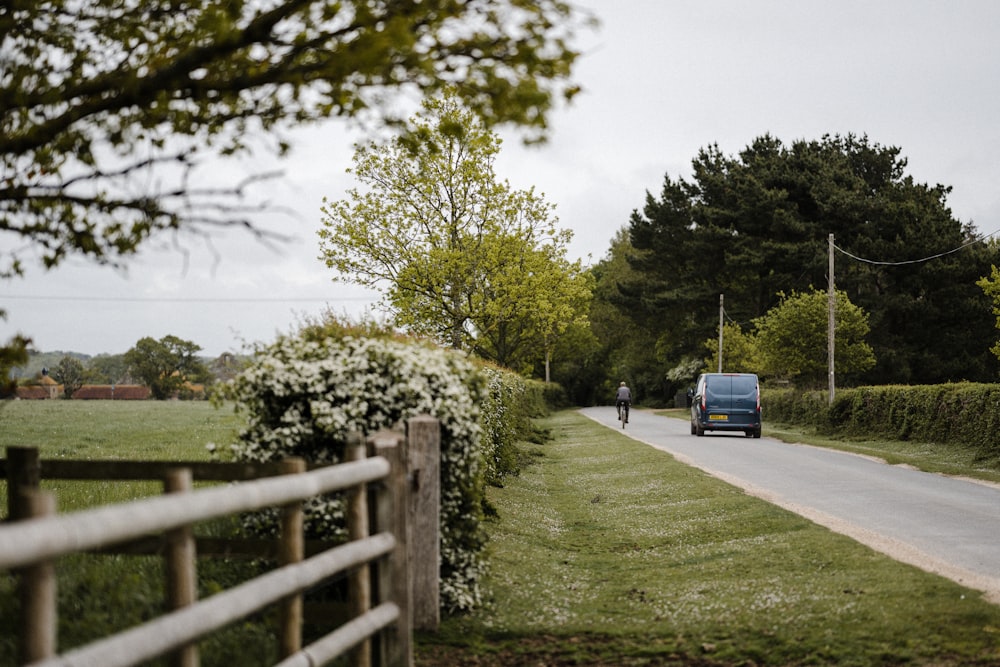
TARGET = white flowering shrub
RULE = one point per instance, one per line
(503, 423)
(303, 395)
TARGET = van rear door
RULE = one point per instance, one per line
(743, 399)
(731, 398)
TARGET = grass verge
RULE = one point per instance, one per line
(609, 552)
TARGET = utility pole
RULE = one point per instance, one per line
(831, 321)
(721, 311)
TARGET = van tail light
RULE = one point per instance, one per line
(758, 398)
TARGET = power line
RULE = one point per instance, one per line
(916, 261)
(128, 299)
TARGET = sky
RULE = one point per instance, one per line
(661, 78)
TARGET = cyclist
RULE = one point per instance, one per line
(623, 399)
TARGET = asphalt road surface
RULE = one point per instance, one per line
(945, 525)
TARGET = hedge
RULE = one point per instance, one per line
(965, 414)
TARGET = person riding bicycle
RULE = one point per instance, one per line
(623, 399)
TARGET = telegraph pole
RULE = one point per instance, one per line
(831, 321)
(720, 331)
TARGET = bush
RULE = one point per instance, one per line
(795, 406)
(547, 396)
(503, 422)
(303, 394)
(964, 414)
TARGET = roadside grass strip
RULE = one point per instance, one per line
(606, 551)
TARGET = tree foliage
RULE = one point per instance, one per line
(628, 347)
(739, 351)
(165, 365)
(70, 373)
(755, 225)
(462, 256)
(12, 355)
(991, 287)
(791, 339)
(108, 369)
(97, 97)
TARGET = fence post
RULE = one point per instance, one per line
(37, 587)
(393, 578)
(23, 471)
(359, 579)
(291, 550)
(182, 579)
(423, 445)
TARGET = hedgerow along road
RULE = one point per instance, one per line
(946, 525)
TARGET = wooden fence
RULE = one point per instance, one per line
(391, 560)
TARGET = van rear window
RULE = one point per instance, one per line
(744, 384)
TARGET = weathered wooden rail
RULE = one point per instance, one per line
(394, 478)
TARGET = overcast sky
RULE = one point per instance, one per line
(662, 79)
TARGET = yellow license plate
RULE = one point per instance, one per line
(718, 418)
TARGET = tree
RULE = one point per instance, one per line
(69, 373)
(531, 299)
(991, 287)
(756, 224)
(96, 95)
(12, 355)
(791, 339)
(108, 107)
(166, 365)
(739, 351)
(226, 366)
(462, 256)
(630, 349)
(107, 369)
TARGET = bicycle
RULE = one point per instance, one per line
(623, 408)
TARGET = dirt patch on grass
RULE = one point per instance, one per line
(548, 651)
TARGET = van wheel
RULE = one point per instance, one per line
(693, 429)
(756, 432)
(699, 431)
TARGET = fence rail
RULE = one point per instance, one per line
(22, 543)
(380, 473)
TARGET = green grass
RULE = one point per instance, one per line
(100, 595)
(609, 552)
(94, 430)
(604, 552)
(153, 430)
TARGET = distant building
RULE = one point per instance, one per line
(44, 387)
(112, 392)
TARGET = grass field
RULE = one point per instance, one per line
(99, 595)
(604, 552)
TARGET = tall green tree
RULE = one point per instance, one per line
(756, 224)
(630, 342)
(461, 256)
(165, 365)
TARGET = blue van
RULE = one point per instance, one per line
(726, 402)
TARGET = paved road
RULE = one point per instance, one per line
(942, 524)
